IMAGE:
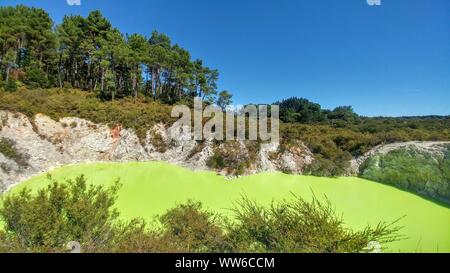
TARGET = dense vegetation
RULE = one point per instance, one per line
(333, 146)
(333, 141)
(74, 211)
(90, 54)
(412, 169)
(302, 110)
(335, 136)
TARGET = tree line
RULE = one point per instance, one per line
(304, 111)
(90, 54)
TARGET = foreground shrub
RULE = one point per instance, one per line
(299, 226)
(191, 229)
(58, 214)
(61, 213)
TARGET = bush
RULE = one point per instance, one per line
(328, 168)
(47, 220)
(36, 78)
(232, 158)
(216, 161)
(158, 142)
(61, 213)
(192, 229)
(7, 149)
(300, 110)
(11, 86)
(299, 226)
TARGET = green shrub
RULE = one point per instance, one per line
(7, 149)
(326, 167)
(159, 143)
(216, 161)
(46, 221)
(11, 86)
(73, 211)
(192, 229)
(36, 78)
(232, 158)
(299, 226)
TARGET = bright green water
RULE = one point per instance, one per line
(152, 188)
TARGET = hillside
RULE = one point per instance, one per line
(43, 129)
(418, 167)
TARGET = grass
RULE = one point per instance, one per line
(150, 189)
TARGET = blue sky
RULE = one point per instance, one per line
(390, 60)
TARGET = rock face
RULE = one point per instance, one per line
(432, 147)
(292, 160)
(41, 144)
(45, 144)
(420, 167)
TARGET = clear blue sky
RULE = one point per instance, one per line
(392, 59)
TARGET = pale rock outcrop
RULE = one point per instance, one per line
(432, 147)
(199, 161)
(46, 144)
(267, 150)
(292, 160)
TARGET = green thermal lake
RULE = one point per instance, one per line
(151, 188)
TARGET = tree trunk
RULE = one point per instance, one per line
(153, 83)
(135, 82)
(103, 80)
(76, 83)
(59, 77)
(8, 68)
(95, 83)
(157, 83)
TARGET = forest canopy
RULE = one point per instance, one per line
(91, 54)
